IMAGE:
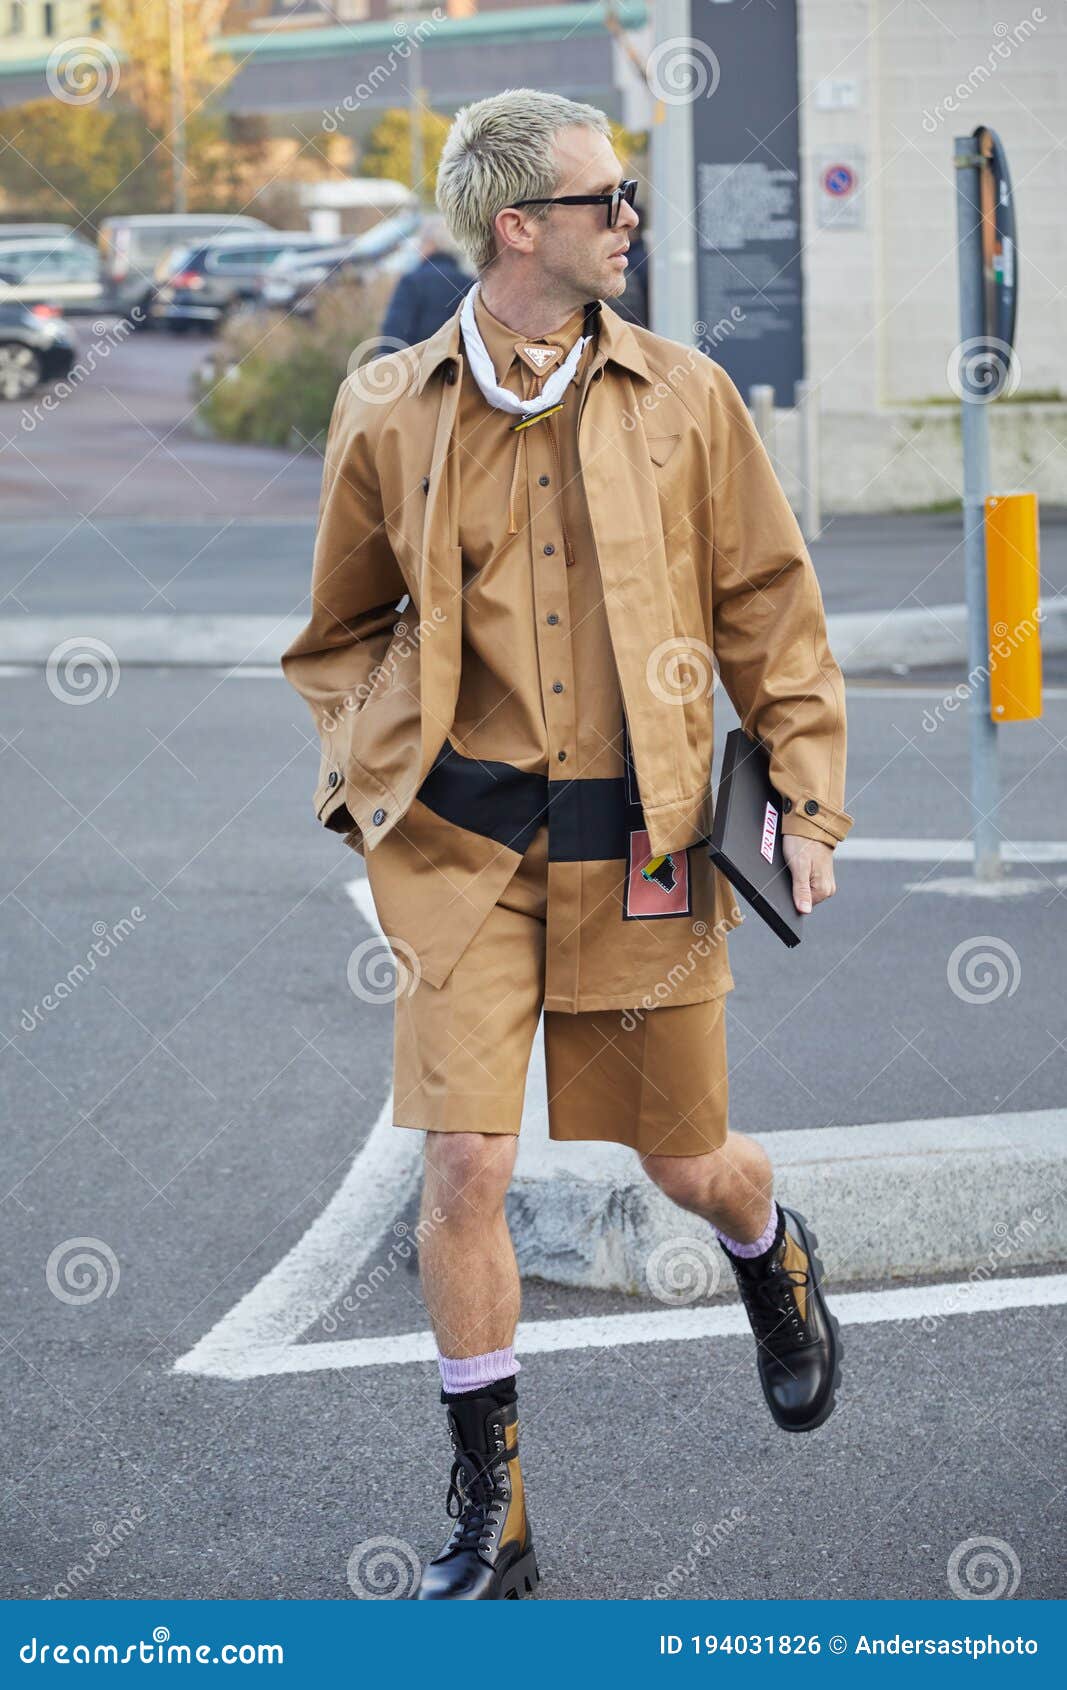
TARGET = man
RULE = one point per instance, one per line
(583, 518)
(426, 295)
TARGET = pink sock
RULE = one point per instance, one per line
(466, 1373)
(762, 1243)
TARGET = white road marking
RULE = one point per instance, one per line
(911, 850)
(852, 1308)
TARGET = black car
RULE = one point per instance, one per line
(203, 283)
(35, 348)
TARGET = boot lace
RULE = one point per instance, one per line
(478, 1502)
(771, 1303)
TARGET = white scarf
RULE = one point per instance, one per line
(485, 374)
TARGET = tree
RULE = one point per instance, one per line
(387, 152)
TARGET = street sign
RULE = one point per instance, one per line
(1000, 270)
(746, 159)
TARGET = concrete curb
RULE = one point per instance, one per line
(970, 1194)
(862, 641)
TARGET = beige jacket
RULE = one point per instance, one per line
(699, 553)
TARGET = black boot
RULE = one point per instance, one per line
(489, 1555)
(797, 1338)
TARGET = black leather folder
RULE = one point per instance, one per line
(746, 835)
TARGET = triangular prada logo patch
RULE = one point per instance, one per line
(538, 358)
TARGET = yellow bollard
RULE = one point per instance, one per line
(1013, 587)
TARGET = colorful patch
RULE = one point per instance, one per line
(655, 885)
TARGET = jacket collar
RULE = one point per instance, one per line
(616, 343)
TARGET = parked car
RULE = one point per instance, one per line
(203, 283)
(292, 282)
(35, 348)
(33, 231)
(64, 272)
(130, 248)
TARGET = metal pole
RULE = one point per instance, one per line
(177, 101)
(415, 98)
(807, 408)
(974, 421)
(672, 254)
(761, 404)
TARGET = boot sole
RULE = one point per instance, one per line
(521, 1578)
(811, 1245)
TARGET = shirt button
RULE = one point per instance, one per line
(549, 549)
(552, 617)
(557, 686)
(378, 817)
(542, 480)
(810, 807)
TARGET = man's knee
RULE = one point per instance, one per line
(468, 1174)
(686, 1179)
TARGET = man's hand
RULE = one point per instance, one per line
(812, 868)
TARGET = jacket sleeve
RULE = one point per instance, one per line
(770, 637)
(356, 584)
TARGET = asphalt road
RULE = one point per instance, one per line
(195, 1101)
(190, 1102)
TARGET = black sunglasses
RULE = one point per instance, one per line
(625, 191)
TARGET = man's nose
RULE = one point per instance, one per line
(627, 218)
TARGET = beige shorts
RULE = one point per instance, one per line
(653, 1079)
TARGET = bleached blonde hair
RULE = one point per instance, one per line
(498, 151)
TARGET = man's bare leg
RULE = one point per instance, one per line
(730, 1187)
(470, 1279)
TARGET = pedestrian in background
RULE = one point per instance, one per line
(427, 295)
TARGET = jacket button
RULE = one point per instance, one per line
(787, 805)
(426, 484)
(597, 374)
(562, 755)
(810, 807)
(557, 686)
(542, 480)
(549, 549)
(378, 817)
(334, 777)
(552, 617)
(450, 374)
